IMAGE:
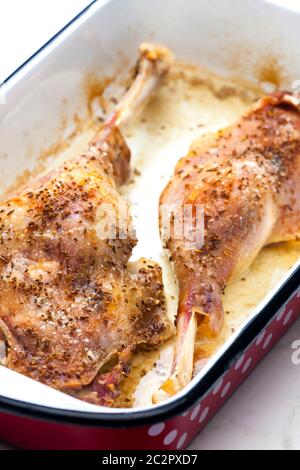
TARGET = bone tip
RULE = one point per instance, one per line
(159, 396)
(157, 53)
(292, 99)
(168, 389)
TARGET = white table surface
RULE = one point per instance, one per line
(265, 412)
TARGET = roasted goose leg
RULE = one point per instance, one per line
(247, 179)
(71, 310)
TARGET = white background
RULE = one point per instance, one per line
(265, 411)
(25, 25)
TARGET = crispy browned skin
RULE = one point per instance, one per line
(69, 303)
(247, 177)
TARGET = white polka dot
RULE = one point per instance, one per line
(217, 387)
(298, 294)
(156, 429)
(280, 314)
(204, 415)
(260, 338)
(247, 365)
(225, 389)
(288, 317)
(195, 412)
(170, 437)
(239, 362)
(185, 413)
(267, 341)
(181, 441)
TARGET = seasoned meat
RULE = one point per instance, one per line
(247, 180)
(69, 301)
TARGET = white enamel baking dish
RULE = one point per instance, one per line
(249, 39)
